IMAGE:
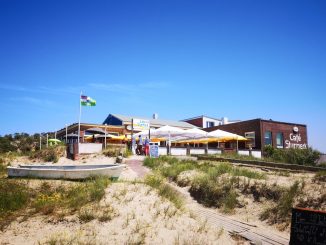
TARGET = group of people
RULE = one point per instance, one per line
(140, 147)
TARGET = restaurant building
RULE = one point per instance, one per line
(126, 121)
(208, 122)
(260, 133)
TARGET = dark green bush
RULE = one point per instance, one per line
(295, 156)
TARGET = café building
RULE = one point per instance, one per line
(260, 132)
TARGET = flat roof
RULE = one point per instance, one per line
(158, 122)
(257, 119)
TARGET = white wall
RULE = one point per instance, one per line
(178, 151)
(243, 152)
(197, 151)
(87, 148)
(205, 119)
(214, 151)
(162, 151)
(256, 154)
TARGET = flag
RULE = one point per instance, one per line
(87, 101)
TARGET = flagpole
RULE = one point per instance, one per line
(79, 117)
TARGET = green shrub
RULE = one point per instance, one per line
(155, 163)
(281, 212)
(230, 202)
(50, 154)
(237, 171)
(294, 156)
(176, 168)
(214, 192)
(13, 195)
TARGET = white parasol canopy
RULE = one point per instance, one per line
(223, 135)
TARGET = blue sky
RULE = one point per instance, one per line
(240, 59)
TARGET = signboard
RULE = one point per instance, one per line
(308, 226)
(295, 140)
(140, 124)
(153, 150)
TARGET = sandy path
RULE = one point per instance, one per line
(135, 163)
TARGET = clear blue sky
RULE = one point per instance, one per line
(240, 59)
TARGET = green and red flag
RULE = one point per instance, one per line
(87, 101)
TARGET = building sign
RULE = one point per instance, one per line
(294, 140)
(140, 124)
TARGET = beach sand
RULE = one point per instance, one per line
(138, 215)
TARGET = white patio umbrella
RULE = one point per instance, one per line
(167, 132)
(224, 135)
(190, 134)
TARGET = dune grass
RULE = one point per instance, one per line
(15, 195)
(50, 154)
(281, 212)
(211, 187)
(72, 197)
(320, 176)
(164, 190)
(171, 167)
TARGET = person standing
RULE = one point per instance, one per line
(140, 145)
(146, 146)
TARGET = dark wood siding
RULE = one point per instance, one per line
(197, 122)
(241, 128)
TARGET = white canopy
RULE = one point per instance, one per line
(221, 134)
(173, 133)
(193, 133)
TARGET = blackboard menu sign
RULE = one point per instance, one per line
(308, 227)
(153, 151)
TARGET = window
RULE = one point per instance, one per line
(209, 124)
(279, 140)
(268, 138)
(251, 139)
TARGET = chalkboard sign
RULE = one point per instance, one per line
(153, 151)
(308, 226)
